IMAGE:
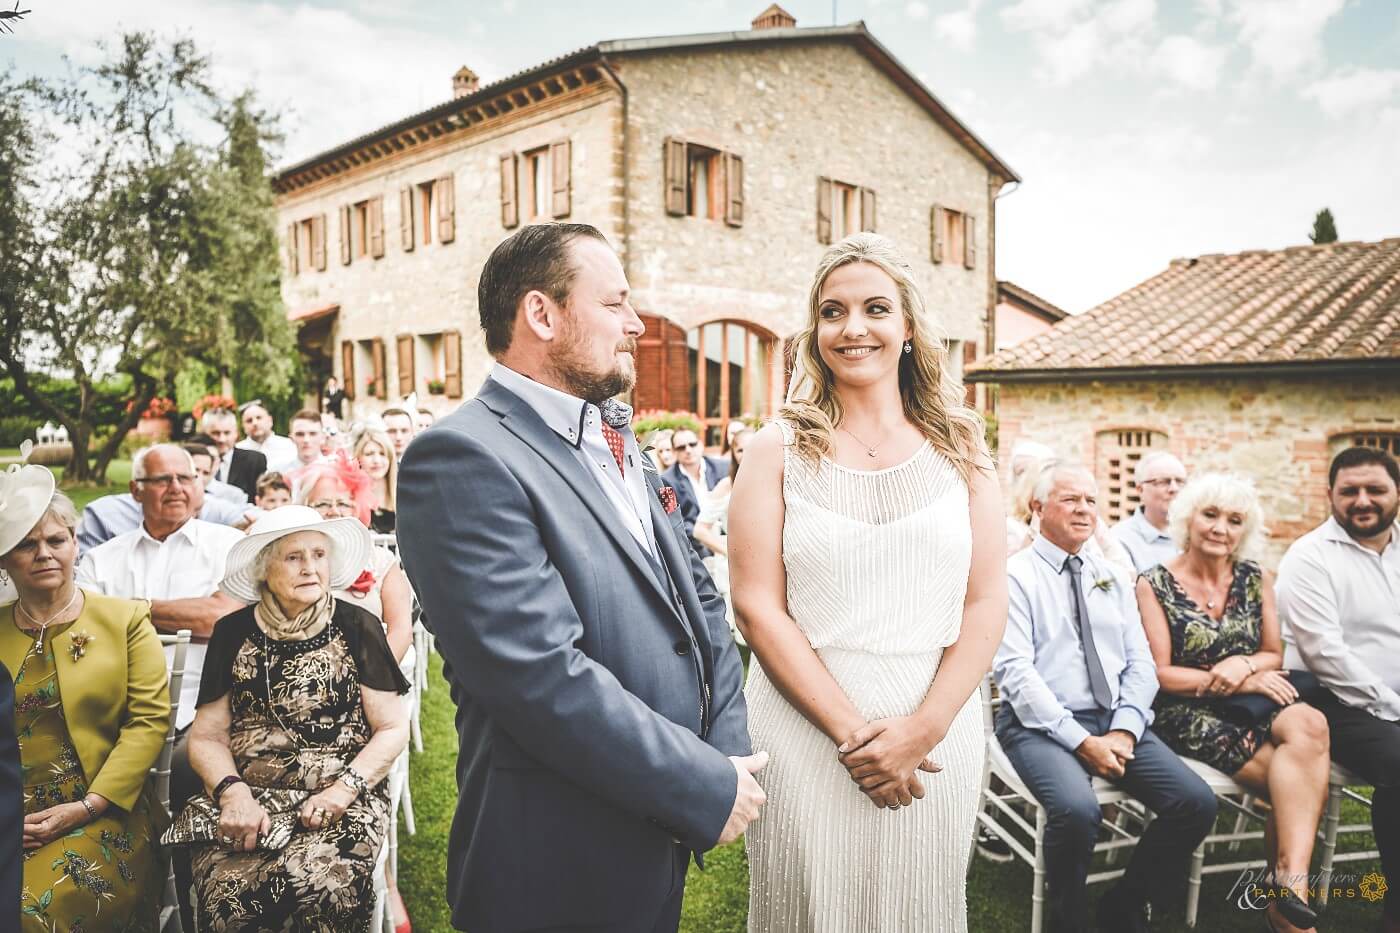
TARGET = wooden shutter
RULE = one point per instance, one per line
(867, 209)
(406, 217)
(452, 363)
(733, 189)
(446, 209)
(405, 361)
(969, 241)
(380, 359)
(969, 356)
(561, 171)
(347, 368)
(376, 227)
(293, 265)
(823, 210)
(935, 233)
(673, 158)
(345, 215)
(510, 193)
(318, 242)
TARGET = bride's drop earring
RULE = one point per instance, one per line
(908, 346)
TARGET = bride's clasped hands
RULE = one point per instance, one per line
(883, 758)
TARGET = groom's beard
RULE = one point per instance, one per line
(573, 369)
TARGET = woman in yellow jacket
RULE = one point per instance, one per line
(92, 709)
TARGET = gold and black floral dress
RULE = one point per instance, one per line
(99, 877)
(1193, 726)
(312, 727)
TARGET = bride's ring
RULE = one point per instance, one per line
(895, 806)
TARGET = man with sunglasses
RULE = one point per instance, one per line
(1159, 477)
(693, 475)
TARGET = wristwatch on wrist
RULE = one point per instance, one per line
(354, 780)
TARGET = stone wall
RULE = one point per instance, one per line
(1280, 431)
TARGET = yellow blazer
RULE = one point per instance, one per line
(116, 697)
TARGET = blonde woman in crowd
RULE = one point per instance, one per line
(865, 690)
(375, 454)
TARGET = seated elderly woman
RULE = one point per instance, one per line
(1213, 628)
(92, 709)
(299, 721)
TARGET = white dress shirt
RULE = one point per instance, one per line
(277, 449)
(1339, 605)
(580, 424)
(188, 564)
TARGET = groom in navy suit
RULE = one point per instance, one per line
(603, 733)
(691, 469)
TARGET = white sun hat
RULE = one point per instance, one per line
(25, 495)
(351, 547)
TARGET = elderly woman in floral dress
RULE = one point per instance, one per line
(299, 721)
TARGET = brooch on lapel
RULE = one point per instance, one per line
(1105, 584)
(667, 495)
(80, 642)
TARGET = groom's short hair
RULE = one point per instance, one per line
(534, 258)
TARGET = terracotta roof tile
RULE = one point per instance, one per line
(1340, 301)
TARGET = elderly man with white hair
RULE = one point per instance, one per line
(1077, 681)
(1144, 535)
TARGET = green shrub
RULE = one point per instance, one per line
(657, 420)
(14, 429)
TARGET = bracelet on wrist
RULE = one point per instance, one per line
(224, 785)
(91, 810)
(354, 780)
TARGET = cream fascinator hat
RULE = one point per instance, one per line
(25, 495)
(351, 547)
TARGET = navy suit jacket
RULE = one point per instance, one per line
(713, 469)
(598, 690)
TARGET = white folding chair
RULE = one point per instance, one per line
(1002, 815)
(1340, 785)
(169, 902)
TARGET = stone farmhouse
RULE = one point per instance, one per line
(1262, 363)
(719, 166)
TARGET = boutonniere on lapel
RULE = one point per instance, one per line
(80, 641)
(363, 583)
(667, 495)
(1104, 583)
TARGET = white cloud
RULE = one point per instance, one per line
(1355, 90)
(958, 28)
(916, 9)
(1073, 37)
(1041, 15)
(334, 74)
(1188, 62)
(1284, 36)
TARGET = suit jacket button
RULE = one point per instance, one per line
(682, 648)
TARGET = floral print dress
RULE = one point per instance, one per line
(297, 722)
(1193, 726)
(99, 877)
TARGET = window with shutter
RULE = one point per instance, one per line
(734, 189)
(824, 188)
(1117, 453)
(536, 196)
(936, 225)
(452, 363)
(969, 241)
(293, 263)
(406, 218)
(560, 157)
(359, 229)
(705, 185)
(376, 227)
(405, 363)
(345, 234)
(318, 242)
(867, 209)
(347, 368)
(676, 172)
(425, 210)
(510, 203)
(447, 210)
(379, 359)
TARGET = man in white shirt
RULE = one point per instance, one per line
(1339, 601)
(259, 436)
(1159, 477)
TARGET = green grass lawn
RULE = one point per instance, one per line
(118, 479)
(999, 895)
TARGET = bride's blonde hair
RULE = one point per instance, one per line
(933, 398)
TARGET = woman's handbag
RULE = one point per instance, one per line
(1251, 709)
(198, 823)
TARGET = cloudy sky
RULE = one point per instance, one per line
(1144, 129)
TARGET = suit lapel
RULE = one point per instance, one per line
(522, 421)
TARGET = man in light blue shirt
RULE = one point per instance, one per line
(1077, 682)
(1159, 477)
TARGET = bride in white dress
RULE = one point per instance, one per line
(867, 558)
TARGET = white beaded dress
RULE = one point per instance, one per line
(877, 565)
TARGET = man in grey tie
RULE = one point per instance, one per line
(1077, 682)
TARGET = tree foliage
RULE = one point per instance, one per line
(1324, 227)
(137, 234)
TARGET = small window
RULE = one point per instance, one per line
(537, 189)
(953, 234)
(425, 205)
(1389, 441)
(306, 239)
(360, 228)
(1119, 451)
(704, 176)
(431, 363)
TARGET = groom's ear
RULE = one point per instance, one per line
(540, 315)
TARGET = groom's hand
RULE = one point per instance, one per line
(747, 799)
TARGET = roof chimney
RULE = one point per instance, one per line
(775, 17)
(464, 82)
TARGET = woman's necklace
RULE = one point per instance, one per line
(869, 450)
(45, 623)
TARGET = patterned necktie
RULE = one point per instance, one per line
(615, 415)
(1098, 683)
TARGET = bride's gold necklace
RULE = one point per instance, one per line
(869, 450)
